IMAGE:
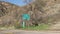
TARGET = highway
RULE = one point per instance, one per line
(28, 32)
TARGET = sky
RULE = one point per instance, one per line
(18, 2)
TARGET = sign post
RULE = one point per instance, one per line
(25, 17)
(23, 24)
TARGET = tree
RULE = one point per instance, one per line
(27, 1)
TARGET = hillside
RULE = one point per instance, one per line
(40, 11)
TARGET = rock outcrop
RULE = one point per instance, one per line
(40, 11)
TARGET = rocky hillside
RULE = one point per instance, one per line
(9, 13)
(40, 11)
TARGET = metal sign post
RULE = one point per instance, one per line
(23, 24)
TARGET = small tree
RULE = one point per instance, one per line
(27, 1)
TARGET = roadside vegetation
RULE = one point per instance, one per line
(39, 27)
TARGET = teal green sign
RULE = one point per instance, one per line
(26, 17)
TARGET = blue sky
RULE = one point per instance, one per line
(17, 2)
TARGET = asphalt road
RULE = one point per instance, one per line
(28, 32)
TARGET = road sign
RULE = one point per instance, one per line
(26, 17)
